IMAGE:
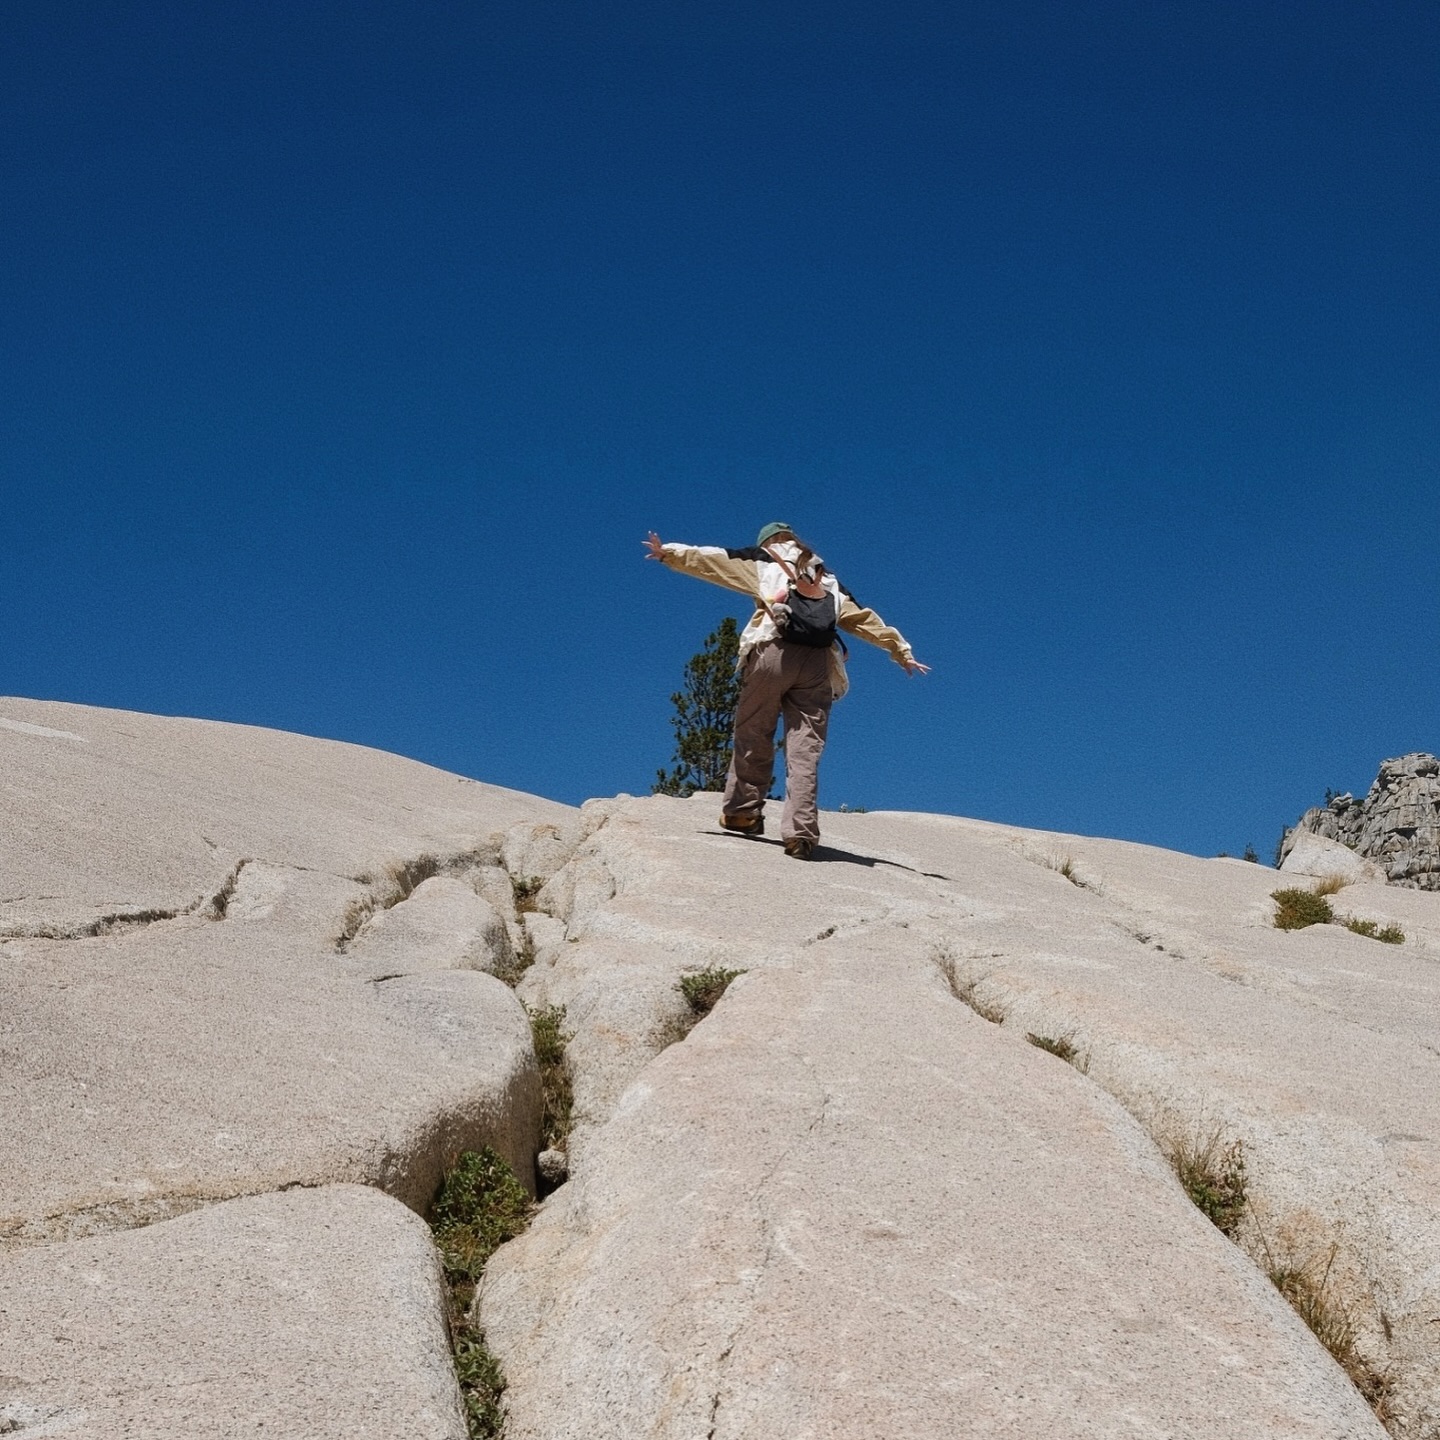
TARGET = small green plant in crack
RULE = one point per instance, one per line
(703, 989)
(1299, 909)
(523, 959)
(557, 1094)
(482, 1387)
(1372, 930)
(1063, 1047)
(1212, 1171)
(480, 1205)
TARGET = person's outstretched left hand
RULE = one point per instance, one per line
(653, 548)
(914, 667)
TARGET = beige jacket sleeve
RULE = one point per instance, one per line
(859, 620)
(709, 562)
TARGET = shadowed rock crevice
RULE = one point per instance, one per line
(103, 925)
(220, 901)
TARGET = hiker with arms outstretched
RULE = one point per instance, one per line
(791, 665)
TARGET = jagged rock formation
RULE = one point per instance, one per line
(857, 1198)
(1396, 825)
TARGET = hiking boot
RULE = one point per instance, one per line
(798, 849)
(751, 825)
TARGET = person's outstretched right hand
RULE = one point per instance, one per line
(653, 548)
(914, 667)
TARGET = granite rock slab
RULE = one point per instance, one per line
(315, 1313)
(1315, 1050)
(178, 1021)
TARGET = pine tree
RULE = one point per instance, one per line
(704, 719)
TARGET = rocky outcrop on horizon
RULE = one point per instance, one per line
(1396, 826)
(913, 1176)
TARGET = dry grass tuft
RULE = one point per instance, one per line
(1330, 885)
(965, 988)
(1063, 1047)
(1065, 865)
(1307, 1286)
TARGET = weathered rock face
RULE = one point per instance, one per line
(182, 1019)
(845, 1204)
(221, 975)
(310, 1313)
(239, 969)
(1396, 825)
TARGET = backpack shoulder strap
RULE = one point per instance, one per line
(795, 578)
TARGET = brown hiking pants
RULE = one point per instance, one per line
(793, 681)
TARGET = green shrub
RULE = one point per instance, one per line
(479, 1207)
(482, 1387)
(702, 991)
(1298, 909)
(1372, 930)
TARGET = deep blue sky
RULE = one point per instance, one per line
(349, 351)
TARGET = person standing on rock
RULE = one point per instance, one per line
(792, 666)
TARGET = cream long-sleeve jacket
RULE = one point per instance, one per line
(752, 572)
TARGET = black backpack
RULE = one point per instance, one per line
(811, 621)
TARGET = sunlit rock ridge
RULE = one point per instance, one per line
(915, 1174)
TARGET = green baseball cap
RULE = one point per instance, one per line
(774, 528)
